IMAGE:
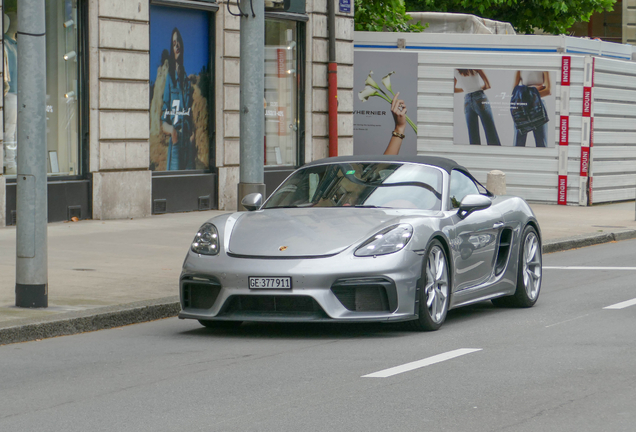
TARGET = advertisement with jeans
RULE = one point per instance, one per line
(179, 89)
(505, 107)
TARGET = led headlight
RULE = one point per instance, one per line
(206, 242)
(387, 241)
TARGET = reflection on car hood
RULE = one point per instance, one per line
(300, 232)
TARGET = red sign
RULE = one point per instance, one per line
(564, 131)
(565, 70)
(563, 190)
(587, 101)
(281, 57)
(282, 121)
(585, 160)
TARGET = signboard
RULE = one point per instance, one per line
(345, 6)
(513, 108)
(377, 77)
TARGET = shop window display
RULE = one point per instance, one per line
(179, 89)
(61, 86)
(281, 92)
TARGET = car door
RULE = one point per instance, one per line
(475, 237)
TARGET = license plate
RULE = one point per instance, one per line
(267, 282)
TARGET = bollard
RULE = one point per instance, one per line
(496, 182)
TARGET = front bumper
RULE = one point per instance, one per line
(341, 287)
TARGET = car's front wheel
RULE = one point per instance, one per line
(434, 292)
(529, 273)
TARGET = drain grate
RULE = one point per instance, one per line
(160, 206)
(74, 211)
(204, 202)
(14, 217)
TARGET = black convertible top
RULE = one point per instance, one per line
(446, 164)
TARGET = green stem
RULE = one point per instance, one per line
(412, 124)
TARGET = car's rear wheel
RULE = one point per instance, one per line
(220, 324)
(434, 292)
(529, 273)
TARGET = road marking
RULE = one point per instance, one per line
(421, 363)
(563, 322)
(622, 305)
(587, 268)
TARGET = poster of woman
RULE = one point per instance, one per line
(507, 107)
(179, 83)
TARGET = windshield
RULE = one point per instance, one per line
(368, 184)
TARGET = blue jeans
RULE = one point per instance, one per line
(172, 163)
(540, 136)
(476, 107)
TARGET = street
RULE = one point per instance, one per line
(567, 364)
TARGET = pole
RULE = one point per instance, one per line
(332, 81)
(31, 287)
(252, 117)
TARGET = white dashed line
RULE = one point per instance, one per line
(588, 268)
(622, 305)
(421, 363)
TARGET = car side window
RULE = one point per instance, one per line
(460, 186)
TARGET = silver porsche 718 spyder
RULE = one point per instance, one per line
(371, 238)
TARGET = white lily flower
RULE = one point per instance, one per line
(368, 91)
(387, 81)
(371, 82)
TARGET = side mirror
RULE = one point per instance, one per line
(252, 201)
(472, 203)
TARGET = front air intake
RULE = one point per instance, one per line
(199, 294)
(366, 295)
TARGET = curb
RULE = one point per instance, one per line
(560, 245)
(139, 312)
(90, 320)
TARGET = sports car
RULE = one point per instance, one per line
(364, 238)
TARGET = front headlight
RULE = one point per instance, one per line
(387, 241)
(206, 242)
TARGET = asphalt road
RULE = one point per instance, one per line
(568, 364)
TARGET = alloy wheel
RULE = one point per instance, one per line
(532, 266)
(436, 284)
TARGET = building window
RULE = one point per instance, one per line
(62, 106)
(282, 79)
(180, 89)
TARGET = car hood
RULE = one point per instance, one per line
(300, 232)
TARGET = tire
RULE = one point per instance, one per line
(529, 272)
(220, 324)
(434, 291)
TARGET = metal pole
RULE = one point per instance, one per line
(31, 287)
(252, 116)
(332, 81)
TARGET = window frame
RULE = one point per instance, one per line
(301, 36)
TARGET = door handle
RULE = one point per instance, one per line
(498, 225)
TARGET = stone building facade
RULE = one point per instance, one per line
(102, 151)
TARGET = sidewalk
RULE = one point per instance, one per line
(104, 274)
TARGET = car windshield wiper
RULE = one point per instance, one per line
(368, 206)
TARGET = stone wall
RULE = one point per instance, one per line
(119, 42)
(119, 50)
(228, 80)
(317, 33)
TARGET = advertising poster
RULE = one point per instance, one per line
(513, 108)
(378, 76)
(179, 89)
